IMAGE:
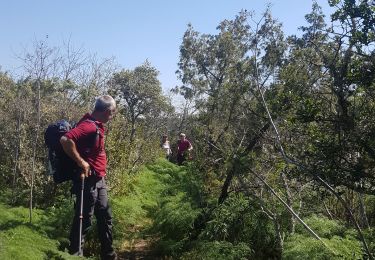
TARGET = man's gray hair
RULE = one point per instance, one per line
(104, 103)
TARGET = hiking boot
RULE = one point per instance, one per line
(110, 256)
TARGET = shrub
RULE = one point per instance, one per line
(322, 226)
(239, 220)
(340, 241)
(218, 250)
(22, 240)
(301, 247)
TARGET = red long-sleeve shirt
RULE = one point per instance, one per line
(183, 146)
(89, 144)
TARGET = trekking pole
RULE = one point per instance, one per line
(80, 252)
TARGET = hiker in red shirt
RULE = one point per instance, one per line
(85, 145)
(183, 148)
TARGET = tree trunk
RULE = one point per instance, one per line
(34, 151)
(231, 172)
(288, 200)
(16, 154)
(279, 233)
(362, 212)
(132, 133)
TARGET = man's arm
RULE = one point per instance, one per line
(190, 147)
(70, 149)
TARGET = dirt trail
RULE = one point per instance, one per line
(139, 249)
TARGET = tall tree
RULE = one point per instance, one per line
(329, 113)
(139, 91)
(143, 105)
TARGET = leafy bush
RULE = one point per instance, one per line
(60, 217)
(227, 221)
(322, 226)
(178, 206)
(218, 250)
(22, 240)
(239, 220)
(303, 247)
(340, 241)
(176, 216)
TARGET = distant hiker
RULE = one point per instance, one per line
(166, 147)
(78, 144)
(183, 148)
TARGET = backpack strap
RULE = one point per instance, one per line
(97, 130)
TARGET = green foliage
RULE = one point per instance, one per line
(22, 240)
(218, 250)
(370, 237)
(139, 91)
(59, 216)
(176, 216)
(362, 12)
(370, 208)
(227, 219)
(322, 226)
(131, 209)
(178, 206)
(303, 247)
(340, 241)
(160, 199)
(237, 221)
(319, 89)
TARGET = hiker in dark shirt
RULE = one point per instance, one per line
(183, 148)
(85, 145)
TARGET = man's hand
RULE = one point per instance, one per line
(85, 168)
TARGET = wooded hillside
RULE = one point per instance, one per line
(283, 130)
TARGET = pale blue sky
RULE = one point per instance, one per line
(131, 31)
